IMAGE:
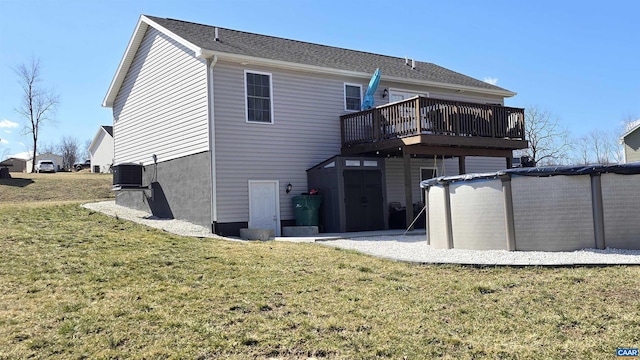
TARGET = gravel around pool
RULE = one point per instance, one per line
(411, 248)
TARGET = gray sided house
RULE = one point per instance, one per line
(223, 120)
(15, 164)
(631, 143)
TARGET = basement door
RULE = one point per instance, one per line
(264, 205)
(363, 200)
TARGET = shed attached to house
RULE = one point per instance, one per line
(223, 120)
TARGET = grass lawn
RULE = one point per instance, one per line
(61, 186)
(75, 284)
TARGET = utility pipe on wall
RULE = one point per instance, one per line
(212, 139)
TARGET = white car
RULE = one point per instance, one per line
(45, 166)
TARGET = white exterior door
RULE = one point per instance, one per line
(264, 205)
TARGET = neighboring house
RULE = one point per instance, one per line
(101, 150)
(15, 164)
(631, 143)
(57, 160)
(224, 120)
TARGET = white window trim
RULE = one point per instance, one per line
(246, 105)
(406, 92)
(344, 93)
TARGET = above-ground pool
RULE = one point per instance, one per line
(536, 209)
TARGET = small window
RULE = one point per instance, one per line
(428, 173)
(258, 97)
(352, 97)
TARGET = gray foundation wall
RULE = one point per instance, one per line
(181, 190)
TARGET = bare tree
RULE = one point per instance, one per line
(85, 151)
(627, 123)
(549, 142)
(38, 104)
(598, 146)
(69, 148)
(48, 148)
(5, 154)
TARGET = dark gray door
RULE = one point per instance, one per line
(363, 200)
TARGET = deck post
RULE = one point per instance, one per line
(509, 162)
(342, 129)
(406, 156)
(376, 124)
(417, 125)
(462, 166)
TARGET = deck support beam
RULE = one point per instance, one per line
(408, 190)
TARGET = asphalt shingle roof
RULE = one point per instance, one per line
(275, 48)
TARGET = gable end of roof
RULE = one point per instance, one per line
(132, 48)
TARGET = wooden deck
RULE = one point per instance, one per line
(434, 127)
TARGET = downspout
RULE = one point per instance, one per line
(212, 141)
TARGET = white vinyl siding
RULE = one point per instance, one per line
(161, 107)
(394, 169)
(306, 132)
(437, 93)
(475, 164)
(258, 97)
(352, 97)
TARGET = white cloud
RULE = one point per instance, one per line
(23, 155)
(490, 80)
(8, 124)
(3, 141)
(8, 131)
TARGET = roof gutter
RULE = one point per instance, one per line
(212, 138)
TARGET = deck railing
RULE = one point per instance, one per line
(422, 115)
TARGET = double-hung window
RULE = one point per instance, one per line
(258, 97)
(352, 97)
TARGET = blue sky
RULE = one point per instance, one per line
(578, 60)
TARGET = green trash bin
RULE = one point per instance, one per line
(306, 209)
